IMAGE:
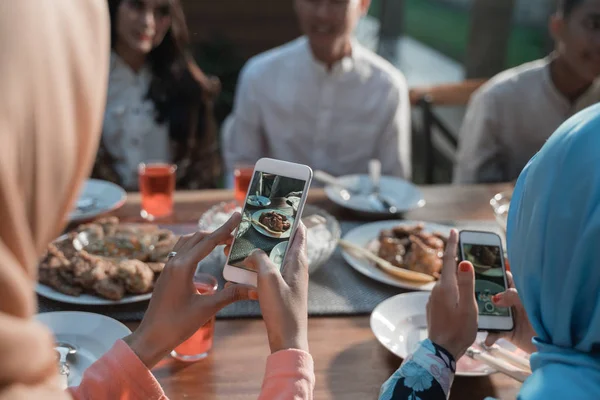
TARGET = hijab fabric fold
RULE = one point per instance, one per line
(553, 240)
(53, 77)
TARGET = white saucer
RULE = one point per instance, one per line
(402, 194)
(96, 198)
(400, 323)
(92, 334)
(87, 299)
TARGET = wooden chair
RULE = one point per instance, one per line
(426, 98)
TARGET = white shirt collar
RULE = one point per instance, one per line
(345, 65)
(118, 65)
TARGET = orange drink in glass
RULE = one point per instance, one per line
(157, 185)
(242, 176)
(200, 343)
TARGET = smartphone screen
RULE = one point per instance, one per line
(268, 219)
(489, 276)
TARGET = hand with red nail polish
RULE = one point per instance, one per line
(452, 309)
(523, 333)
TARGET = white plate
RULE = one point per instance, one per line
(399, 324)
(278, 253)
(365, 234)
(101, 196)
(284, 235)
(93, 334)
(87, 299)
(404, 195)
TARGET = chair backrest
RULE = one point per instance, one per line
(426, 98)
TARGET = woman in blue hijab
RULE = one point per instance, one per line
(553, 244)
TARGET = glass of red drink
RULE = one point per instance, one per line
(199, 344)
(157, 185)
(242, 176)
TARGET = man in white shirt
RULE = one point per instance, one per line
(322, 100)
(510, 118)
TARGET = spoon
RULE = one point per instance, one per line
(376, 199)
(64, 349)
(85, 203)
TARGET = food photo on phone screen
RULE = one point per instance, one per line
(268, 217)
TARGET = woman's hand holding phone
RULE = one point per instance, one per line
(176, 310)
(523, 333)
(283, 296)
(452, 309)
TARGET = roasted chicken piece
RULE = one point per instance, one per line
(392, 250)
(53, 278)
(110, 288)
(403, 231)
(165, 241)
(119, 247)
(423, 258)
(156, 267)
(275, 221)
(91, 232)
(89, 269)
(137, 276)
(412, 248)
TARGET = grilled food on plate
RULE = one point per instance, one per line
(107, 259)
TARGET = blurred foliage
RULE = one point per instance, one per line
(446, 29)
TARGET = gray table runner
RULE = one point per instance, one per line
(335, 289)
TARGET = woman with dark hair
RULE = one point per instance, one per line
(50, 123)
(160, 104)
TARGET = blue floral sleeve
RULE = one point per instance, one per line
(427, 374)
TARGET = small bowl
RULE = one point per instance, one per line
(258, 201)
(500, 204)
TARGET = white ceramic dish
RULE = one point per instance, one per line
(92, 334)
(284, 235)
(278, 253)
(404, 195)
(96, 198)
(365, 234)
(399, 324)
(87, 299)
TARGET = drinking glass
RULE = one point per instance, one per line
(157, 185)
(242, 176)
(199, 344)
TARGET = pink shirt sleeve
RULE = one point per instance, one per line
(118, 375)
(290, 375)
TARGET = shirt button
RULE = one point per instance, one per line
(135, 142)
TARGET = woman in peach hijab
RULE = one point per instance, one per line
(53, 76)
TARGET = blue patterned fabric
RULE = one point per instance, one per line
(427, 374)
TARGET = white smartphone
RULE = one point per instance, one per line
(270, 217)
(484, 251)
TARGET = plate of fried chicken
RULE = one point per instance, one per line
(105, 262)
(414, 246)
(273, 223)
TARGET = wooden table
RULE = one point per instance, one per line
(349, 362)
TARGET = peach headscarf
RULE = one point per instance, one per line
(53, 77)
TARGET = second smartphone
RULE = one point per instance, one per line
(270, 217)
(484, 251)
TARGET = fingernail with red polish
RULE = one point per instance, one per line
(253, 295)
(463, 267)
(496, 298)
